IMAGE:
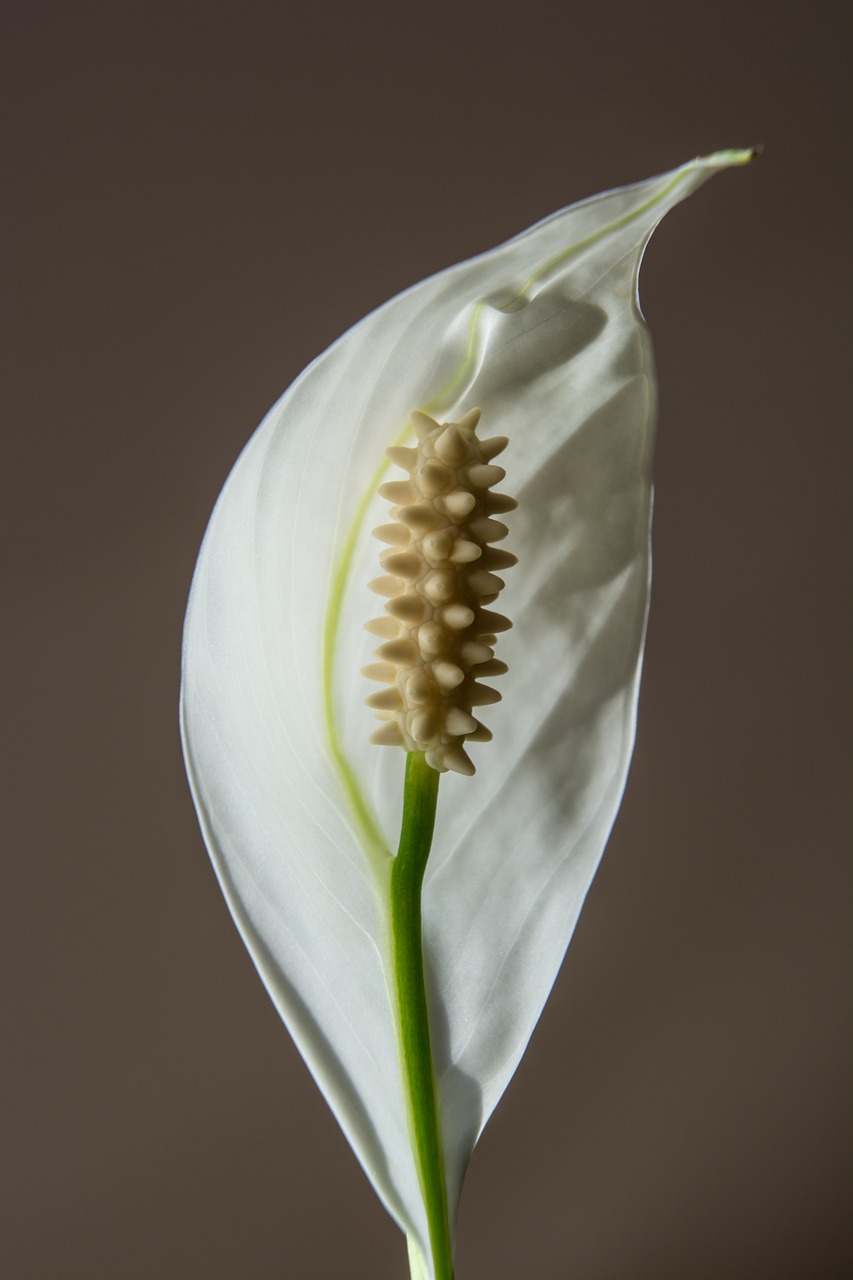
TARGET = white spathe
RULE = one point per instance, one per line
(543, 334)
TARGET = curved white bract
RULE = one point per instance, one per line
(544, 334)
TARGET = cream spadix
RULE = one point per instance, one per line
(545, 335)
(438, 636)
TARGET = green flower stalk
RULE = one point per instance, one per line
(419, 804)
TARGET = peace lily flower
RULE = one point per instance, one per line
(413, 1038)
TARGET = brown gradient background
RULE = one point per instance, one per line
(198, 199)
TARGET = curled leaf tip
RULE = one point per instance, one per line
(438, 578)
(734, 156)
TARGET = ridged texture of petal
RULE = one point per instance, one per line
(545, 336)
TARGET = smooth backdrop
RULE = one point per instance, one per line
(197, 199)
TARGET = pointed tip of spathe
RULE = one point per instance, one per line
(726, 159)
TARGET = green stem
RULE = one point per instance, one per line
(407, 874)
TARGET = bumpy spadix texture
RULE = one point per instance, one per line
(438, 636)
(544, 334)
